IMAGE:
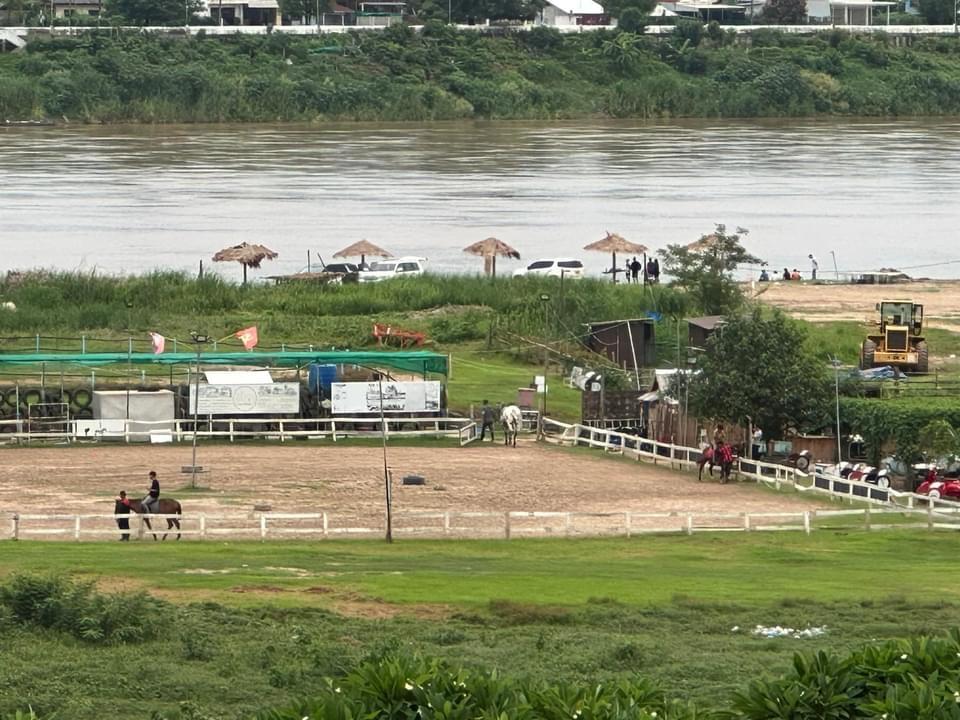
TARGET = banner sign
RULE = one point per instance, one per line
(247, 399)
(398, 397)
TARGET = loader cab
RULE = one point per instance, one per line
(901, 314)
(900, 341)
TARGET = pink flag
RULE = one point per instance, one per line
(248, 336)
(159, 341)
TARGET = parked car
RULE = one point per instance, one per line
(553, 267)
(940, 488)
(342, 272)
(393, 268)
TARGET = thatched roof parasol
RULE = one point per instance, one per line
(614, 244)
(363, 248)
(245, 254)
(707, 242)
(489, 249)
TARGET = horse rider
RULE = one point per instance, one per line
(153, 496)
(719, 437)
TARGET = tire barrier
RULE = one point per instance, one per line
(82, 398)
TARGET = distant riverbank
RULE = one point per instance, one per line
(445, 74)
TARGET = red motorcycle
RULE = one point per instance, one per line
(938, 488)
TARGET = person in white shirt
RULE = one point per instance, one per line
(814, 266)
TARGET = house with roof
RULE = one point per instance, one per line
(559, 13)
(245, 12)
(848, 12)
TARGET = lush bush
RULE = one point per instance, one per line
(445, 74)
(898, 421)
(76, 608)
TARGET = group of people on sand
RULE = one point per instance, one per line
(793, 274)
(651, 272)
(124, 507)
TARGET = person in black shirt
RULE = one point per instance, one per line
(154, 495)
(122, 509)
(487, 417)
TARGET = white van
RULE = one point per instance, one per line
(553, 267)
(392, 268)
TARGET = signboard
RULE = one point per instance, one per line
(398, 397)
(247, 399)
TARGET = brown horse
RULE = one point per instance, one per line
(706, 457)
(164, 506)
(710, 457)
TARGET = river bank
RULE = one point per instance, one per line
(445, 74)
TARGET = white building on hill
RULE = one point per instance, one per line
(573, 12)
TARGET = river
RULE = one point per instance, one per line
(128, 199)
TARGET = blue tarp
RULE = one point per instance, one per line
(887, 372)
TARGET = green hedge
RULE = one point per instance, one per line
(899, 421)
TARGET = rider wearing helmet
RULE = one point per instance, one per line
(153, 496)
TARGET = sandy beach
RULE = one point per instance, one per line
(829, 302)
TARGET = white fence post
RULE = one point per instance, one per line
(626, 521)
(506, 525)
(746, 522)
(76, 528)
(16, 526)
(203, 526)
(446, 523)
(689, 523)
(806, 521)
(326, 526)
(263, 527)
(930, 515)
(568, 524)
(866, 517)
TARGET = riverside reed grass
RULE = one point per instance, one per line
(451, 308)
(248, 626)
(444, 74)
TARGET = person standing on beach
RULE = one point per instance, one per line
(814, 266)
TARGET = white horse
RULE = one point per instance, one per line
(511, 418)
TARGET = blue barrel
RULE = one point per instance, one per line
(320, 377)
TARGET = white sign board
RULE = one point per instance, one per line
(258, 399)
(398, 397)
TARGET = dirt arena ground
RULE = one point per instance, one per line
(820, 303)
(348, 481)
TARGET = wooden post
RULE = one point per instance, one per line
(16, 526)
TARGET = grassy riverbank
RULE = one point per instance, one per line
(246, 626)
(443, 74)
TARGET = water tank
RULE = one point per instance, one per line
(320, 377)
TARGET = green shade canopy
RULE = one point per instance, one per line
(417, 362)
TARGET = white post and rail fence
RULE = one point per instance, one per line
(881, 508)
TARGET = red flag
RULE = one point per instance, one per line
(159, 341)
(248, 336)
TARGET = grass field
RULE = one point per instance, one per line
(254, 625)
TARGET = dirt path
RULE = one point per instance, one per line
(348, 481)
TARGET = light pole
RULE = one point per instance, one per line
(836, 379)
(449, 12)
(198, 340)
(388, 490)
(545, 299)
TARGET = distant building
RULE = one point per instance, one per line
(573, 12)
(847, 12)
(76, 8)
(245, 12)
(699, 330)
(629, 343)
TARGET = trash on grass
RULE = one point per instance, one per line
(776, 631)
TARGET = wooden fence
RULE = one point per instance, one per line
(475, 525)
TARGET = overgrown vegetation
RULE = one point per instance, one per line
(259, 625)
(897, 423)
(440, 73)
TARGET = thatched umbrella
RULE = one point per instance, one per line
(707, 242)
(363, 248)
(247, 255)
(489, 249)
(614, 244)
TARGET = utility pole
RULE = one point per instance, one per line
(198, 340)
(545, 299)
(388, 490)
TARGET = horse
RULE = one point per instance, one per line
(164, 506)
(511, 417)
(709, 457)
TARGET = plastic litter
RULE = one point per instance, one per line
(776, 631)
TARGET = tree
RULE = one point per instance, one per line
(616, 8)
(153, 12)
(705, 269)
(938, 441)
(785, 12)
(937, 12)
(758, 370)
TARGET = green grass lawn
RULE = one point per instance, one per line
(255, 625)
(478, 375)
